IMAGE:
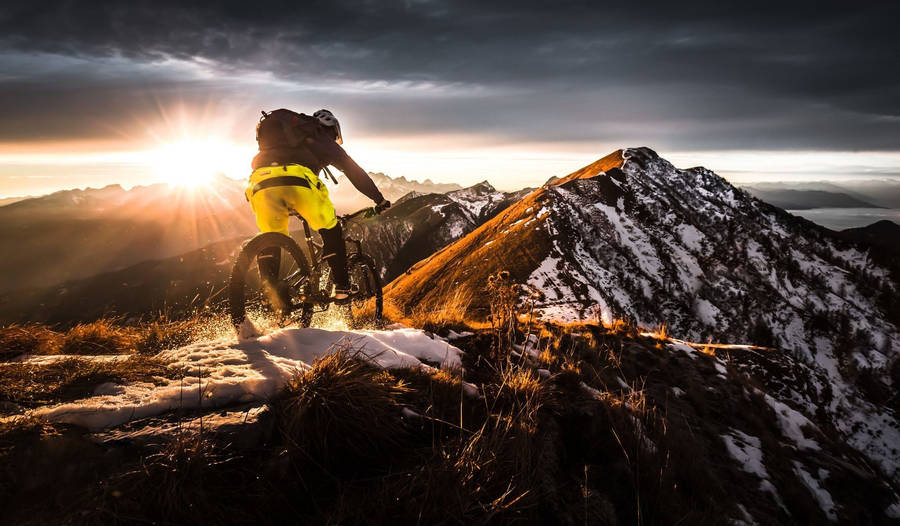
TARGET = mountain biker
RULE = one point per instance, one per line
(293, 149)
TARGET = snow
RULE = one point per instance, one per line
(632, 237)
(226, 371)
(818, 492)
(720, 368)
(453, 335)
(791, 423)
(473, 201)
(746, 518)
(687, 349)
(691, 237)
(706, 311)
(745, 449)
(215, 422)
(457, 229)
(768, 487)
(590, 391)
(893, 511)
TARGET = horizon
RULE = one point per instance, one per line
(157, 92)
(789, 175)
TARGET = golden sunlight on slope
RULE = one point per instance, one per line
(513, 240)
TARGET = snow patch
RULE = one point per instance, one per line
(791, 423)
(745, 449)
(818, 492)
(222, 372)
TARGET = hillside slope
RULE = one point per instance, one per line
(633, 237)
(577, 425)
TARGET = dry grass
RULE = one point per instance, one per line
(336, 448)
(454, 311)
(103, 336)
(15, 433)
(343, 407)
(179, 479)
(18, 339)
(160, 335)
(438, 394)
(70, 379)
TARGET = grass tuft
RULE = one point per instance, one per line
(33, 338)
(341, 407)
(103, 336)
(164, 334)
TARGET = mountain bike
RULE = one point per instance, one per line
(304, 285)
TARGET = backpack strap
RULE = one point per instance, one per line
(331, 175)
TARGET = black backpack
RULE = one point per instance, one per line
(283, 129)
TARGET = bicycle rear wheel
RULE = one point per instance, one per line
(246, 290)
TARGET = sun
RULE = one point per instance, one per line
(190, 163)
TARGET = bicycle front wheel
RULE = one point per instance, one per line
(247, 290)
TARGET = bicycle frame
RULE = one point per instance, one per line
(315, 251)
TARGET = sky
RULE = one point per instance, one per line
(95, 93)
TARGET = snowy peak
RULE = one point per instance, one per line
(477, 200)
(631, 236)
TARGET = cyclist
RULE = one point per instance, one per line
(293, 149)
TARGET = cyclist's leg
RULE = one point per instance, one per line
(336, 255)
(269, 207)
(316, 208)
(271, 216)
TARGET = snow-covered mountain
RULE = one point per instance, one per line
(347, 199)
(632, 237)
(420, 224)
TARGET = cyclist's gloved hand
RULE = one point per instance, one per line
(382, 206)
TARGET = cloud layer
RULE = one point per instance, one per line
(690, 76)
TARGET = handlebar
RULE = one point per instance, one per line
(365, 213)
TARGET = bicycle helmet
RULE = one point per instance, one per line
(328, 119)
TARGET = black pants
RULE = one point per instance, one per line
(269, 260)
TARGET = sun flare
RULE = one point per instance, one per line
(191, 163)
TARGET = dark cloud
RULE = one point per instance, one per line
(685, 75)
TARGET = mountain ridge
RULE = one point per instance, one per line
(644, 241)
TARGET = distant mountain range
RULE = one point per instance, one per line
(415, 227)
(806, 199)
(75, 234)
(10, 200)
(883, 193)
